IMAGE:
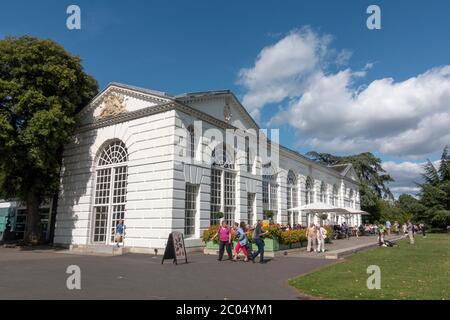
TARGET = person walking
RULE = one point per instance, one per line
(395, 228)
(119, 233)
(388, 227)
(321, 235)
(224, 234)
(258, 235)
(311, 236)
(241, 242)
(381, 233)
(410, 229)
(345, 230)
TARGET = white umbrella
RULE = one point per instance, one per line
(319, 207)
(356, 211)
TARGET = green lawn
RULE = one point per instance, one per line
(420, 271)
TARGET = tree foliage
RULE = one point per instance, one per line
(41, 88)
(434, 196)
(373, 178)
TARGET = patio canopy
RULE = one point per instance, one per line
(319, 207)
(356, 211)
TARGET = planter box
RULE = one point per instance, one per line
(211, 245)
(270, 245)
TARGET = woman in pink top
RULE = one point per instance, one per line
(224, 234)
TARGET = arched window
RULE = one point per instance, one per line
(113, 154)
(191, 142)
(323, 192)
(351, 197)
(335, 197)
(309, 190)
(110, 191)
(292, 198)
(222, 157)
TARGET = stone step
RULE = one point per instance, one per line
(97, 249)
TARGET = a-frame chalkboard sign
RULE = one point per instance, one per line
(175, 248)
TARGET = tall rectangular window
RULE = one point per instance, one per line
(190, 209)
(270, 194)
(216, 195)
(274, 197)
(250, 208)
(265, 194)
(247, 154)
(289, 204)
(191, 142)
(229, 197)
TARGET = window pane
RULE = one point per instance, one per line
(215, 194)
(190, 209)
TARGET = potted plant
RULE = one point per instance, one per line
(268, 214)
(322, 218)
(218, 215)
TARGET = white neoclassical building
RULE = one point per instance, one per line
(167, 163)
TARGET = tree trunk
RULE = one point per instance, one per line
(32, 233)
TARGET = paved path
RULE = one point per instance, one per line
(338, 245)
(41, 274)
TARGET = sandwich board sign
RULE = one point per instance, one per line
(175, 248)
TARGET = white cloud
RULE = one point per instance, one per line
(406, 175)
(282, 70)
(408, 119)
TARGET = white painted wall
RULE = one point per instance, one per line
(157, 179)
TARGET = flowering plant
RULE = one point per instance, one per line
(293, 236)
(209, 233)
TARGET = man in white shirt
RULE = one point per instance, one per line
(321, 236)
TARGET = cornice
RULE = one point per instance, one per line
(238, 106)
(128, 92)
(128, 116)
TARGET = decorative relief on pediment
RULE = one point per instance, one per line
(227, 113)
(113, 104)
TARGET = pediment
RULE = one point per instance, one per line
(117, 99)
(351, 174)
(222, 106)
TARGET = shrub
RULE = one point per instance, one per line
(209, 233)
(274, 232)
(268, 214)
(218, 215)
(329, 230)
(292, 236)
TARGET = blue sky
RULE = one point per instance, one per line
(183, 46)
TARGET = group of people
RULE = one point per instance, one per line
(342, 231)
(408, 229)
(225, 235)
(316, 235)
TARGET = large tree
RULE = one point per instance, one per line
(435, 192)
(42, 86)
(374, 179)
